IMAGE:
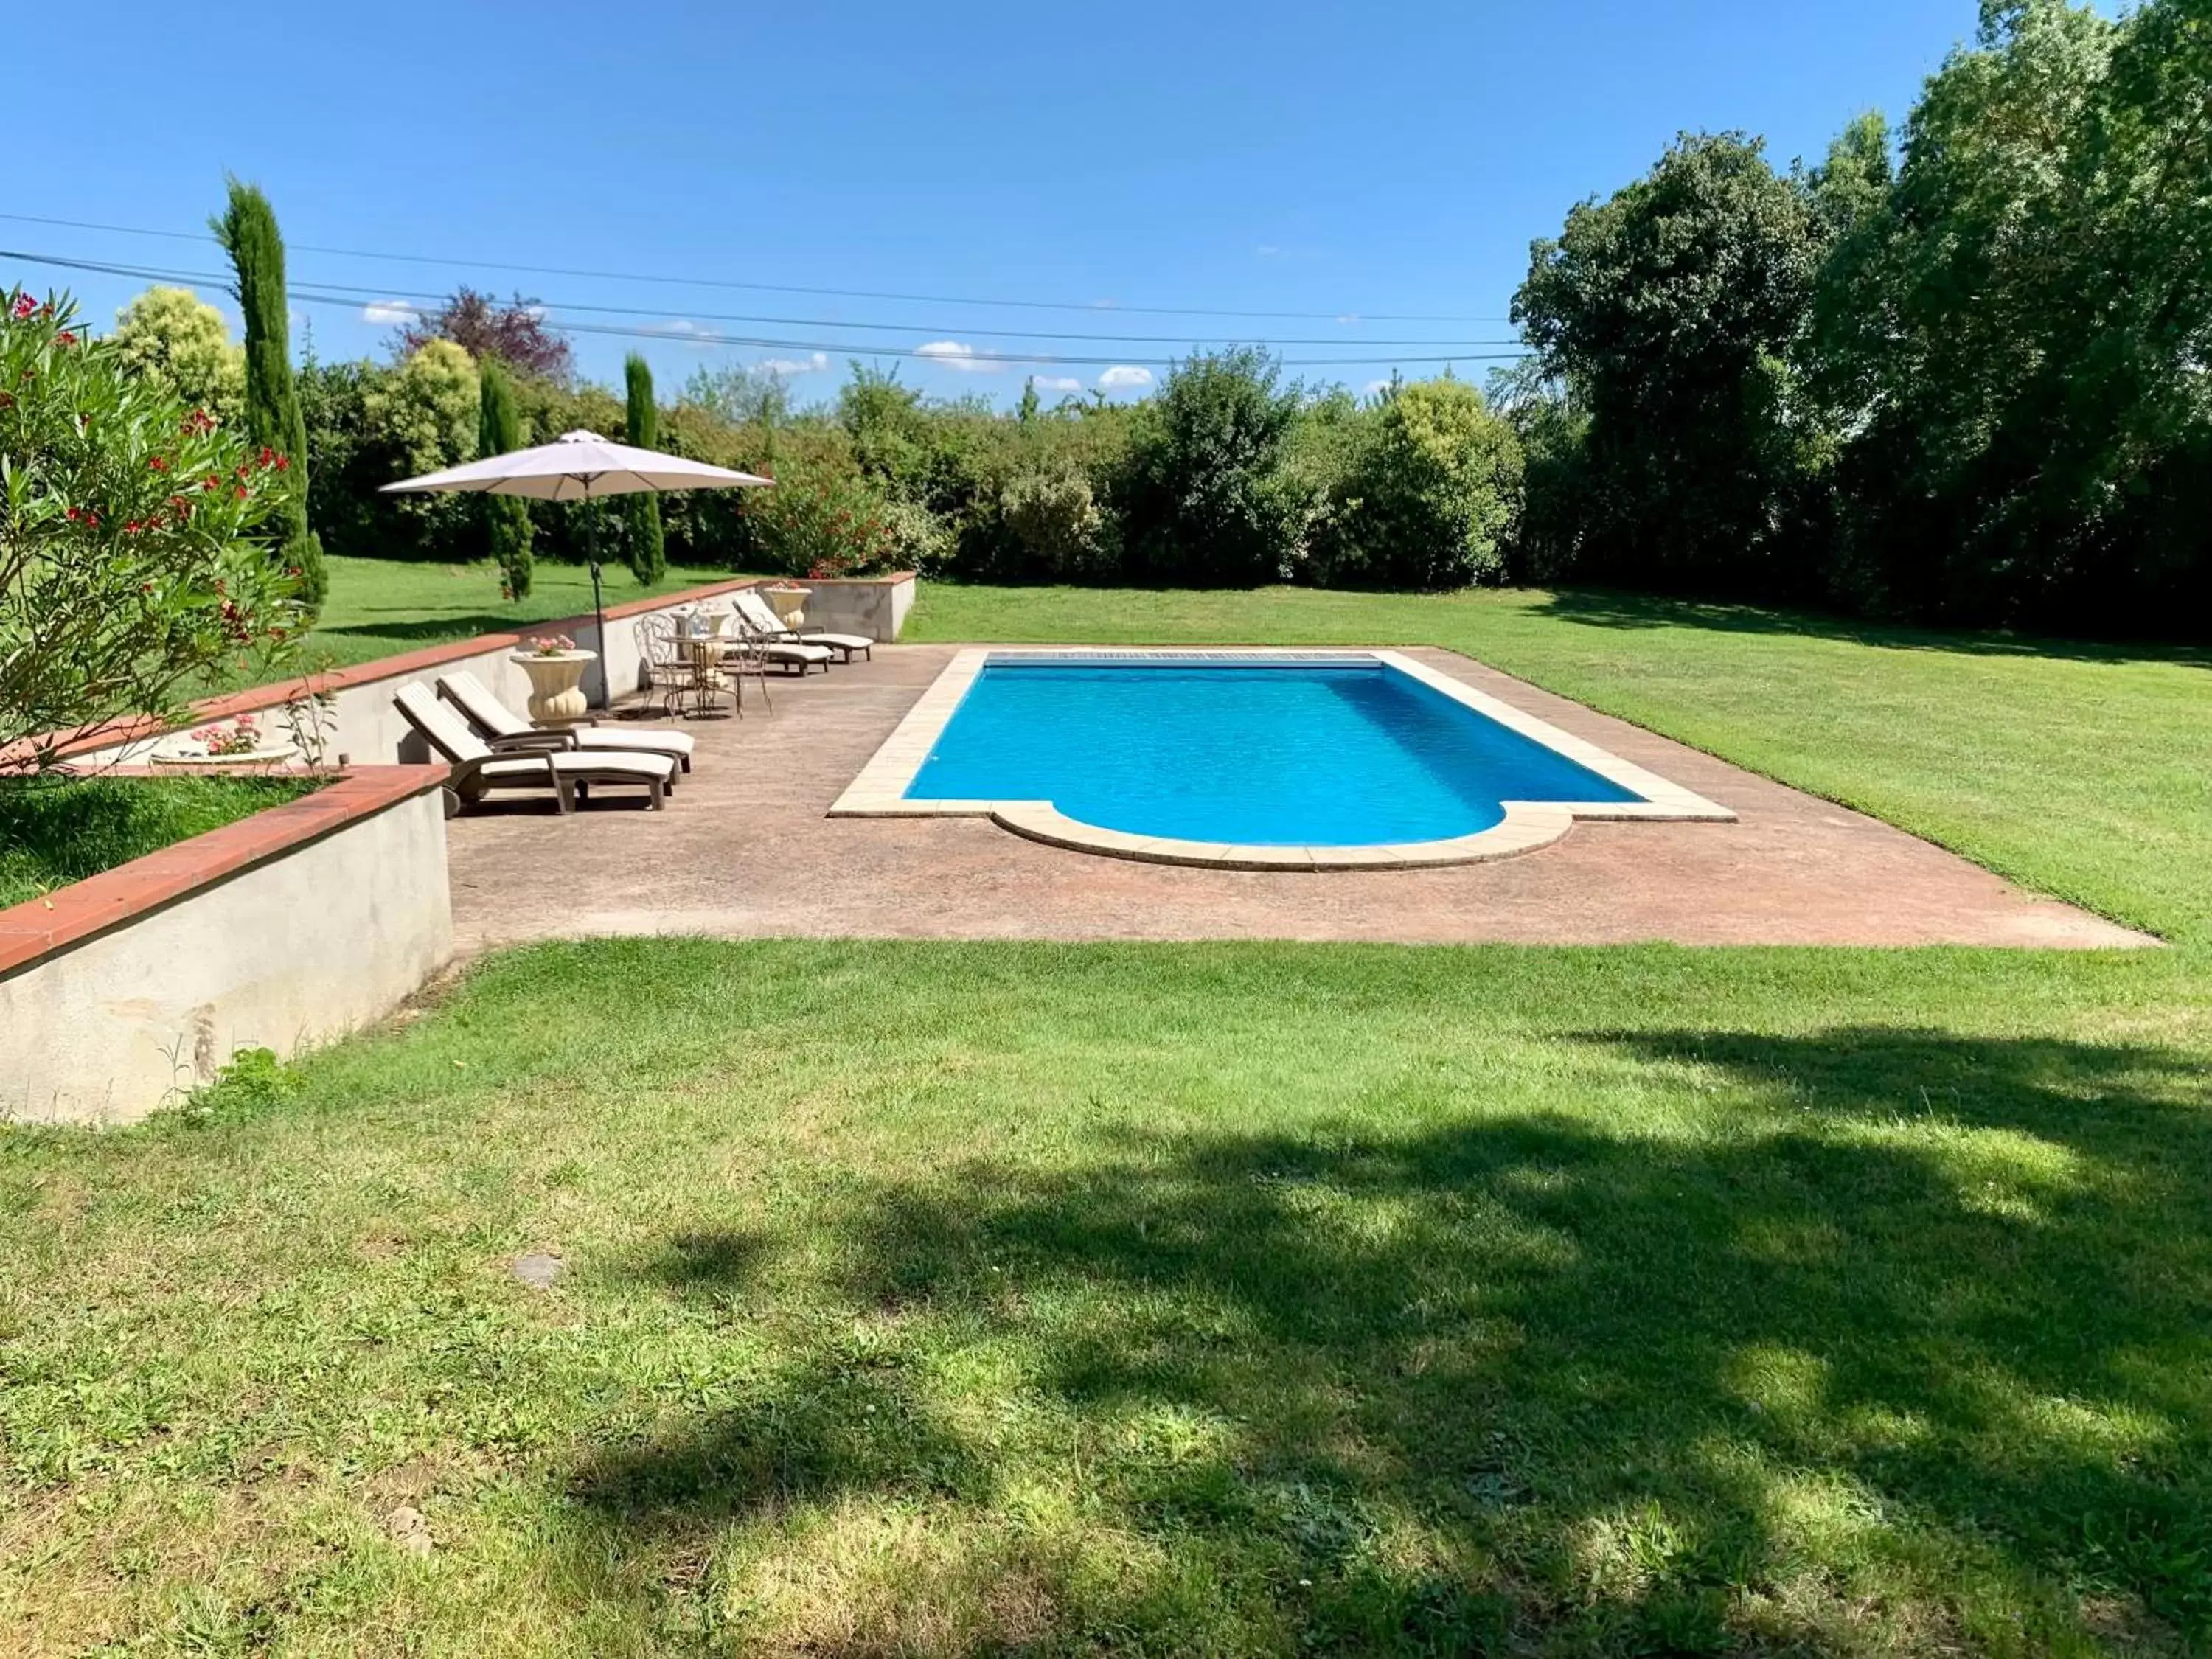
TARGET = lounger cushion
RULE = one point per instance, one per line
(782, 652)
(634, 740)
(841, 642)
(586, 763)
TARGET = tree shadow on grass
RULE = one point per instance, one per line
(1900, 1338)
(1607, 608)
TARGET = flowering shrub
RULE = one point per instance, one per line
(241, 737)
(549, 644)
(820, 521)
(134, 537)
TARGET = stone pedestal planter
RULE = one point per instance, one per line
(789, 602)
(556, 684)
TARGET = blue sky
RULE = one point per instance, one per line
(1350, 162)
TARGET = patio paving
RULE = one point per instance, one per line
(744, 849)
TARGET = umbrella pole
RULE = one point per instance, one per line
(598, 607)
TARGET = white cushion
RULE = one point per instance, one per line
(635, 740)
(842, 641)
(580, 762)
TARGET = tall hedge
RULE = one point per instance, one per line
(507, 517)
(648, 548)
(247, 230)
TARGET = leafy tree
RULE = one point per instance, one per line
(738, 395)
(648, 548)
(135, 538)
(247, 230)
(516, 333)
(1428, 500)
(2017, 337)
(1209, 497)
(1672, 310)
(507, 517)
(176, 337)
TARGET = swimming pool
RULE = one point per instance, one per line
(1320, 759)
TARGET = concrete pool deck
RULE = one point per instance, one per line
(746, 848)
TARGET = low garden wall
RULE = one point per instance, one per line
(361, 725)
(304, 921)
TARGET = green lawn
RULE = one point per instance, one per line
(380, 607)
(929, 1299)
(55, 831)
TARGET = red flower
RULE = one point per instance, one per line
(240, 492)
(73, 515)
(24, 306)
(158, 464)
(282, 463)
(211, 483)
(268, 456)
(65, 338)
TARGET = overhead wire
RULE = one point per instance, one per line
(323, 294)
(781, 287)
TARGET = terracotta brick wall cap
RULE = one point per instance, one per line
(69, 914)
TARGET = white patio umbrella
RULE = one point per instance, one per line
(579, 466)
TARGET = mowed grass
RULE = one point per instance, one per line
(1257, 1298)
(55, 831)
(2084, 771)
(1162, 1299)
(381, 607)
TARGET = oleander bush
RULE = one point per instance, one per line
(137, 535)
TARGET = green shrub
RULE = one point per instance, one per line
(176, 337)
(135, 535)
(420, 418)
(507, 517)
(1061, 530)
(247, 230)
(1429, 495)
(1208, 498)
(820, 521)
(646, 546)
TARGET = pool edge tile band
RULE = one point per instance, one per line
(880, 789)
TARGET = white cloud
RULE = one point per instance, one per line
(812, 365)
(953, 355)
(682, 328)
(1374, 386)
(1123, 376)
(386, 312)
(1055, 383)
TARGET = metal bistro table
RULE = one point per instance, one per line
(702, 648)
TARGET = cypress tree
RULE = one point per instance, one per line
(648, 549)
(247, 230)
(507, 517)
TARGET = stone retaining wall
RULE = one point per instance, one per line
(361, 724)
(288, 928)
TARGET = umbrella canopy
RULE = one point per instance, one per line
(577, 466)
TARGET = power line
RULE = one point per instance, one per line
(780, 287)
(317, 295)
(432, 298)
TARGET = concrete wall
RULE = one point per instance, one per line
(308, 943)
(361, 723)
(876, 607)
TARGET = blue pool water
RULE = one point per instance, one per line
(1292, 755)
